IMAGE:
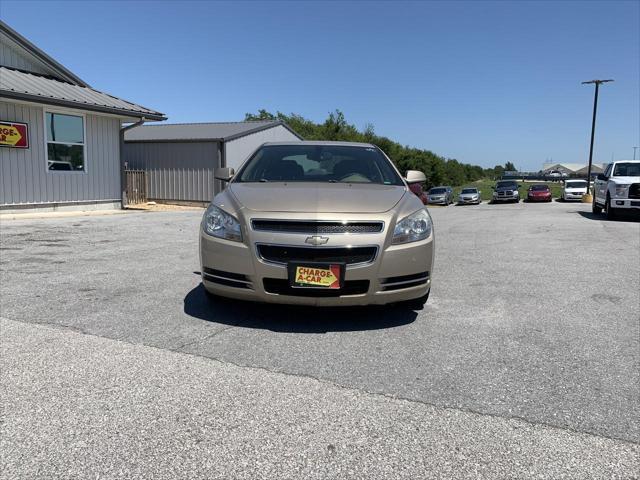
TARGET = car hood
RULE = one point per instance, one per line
(502, 189)
(625, 180)
(317, 197)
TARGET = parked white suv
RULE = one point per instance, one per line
(574, 189)
(617, 188)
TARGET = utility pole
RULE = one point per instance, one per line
(593, 126)
(634, 152)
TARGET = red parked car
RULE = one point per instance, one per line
(539, 193)
(419, 191)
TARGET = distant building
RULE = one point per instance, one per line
(179, 160)
(573, 169)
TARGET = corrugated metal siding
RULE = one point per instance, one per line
(11, 57)
(25, 178)
(46, 89)
(238, 150)
(176, 170)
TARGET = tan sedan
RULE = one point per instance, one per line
(318, 223)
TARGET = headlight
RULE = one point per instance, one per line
(412, 228)
(218, 223)
(621, 190)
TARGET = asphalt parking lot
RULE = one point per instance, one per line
(524, 362)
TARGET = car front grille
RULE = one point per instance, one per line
(281, 287)
(506, 193)
(283, 254)
(634, 190)
(319, 227)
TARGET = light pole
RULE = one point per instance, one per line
(593, 127)
(634, 152)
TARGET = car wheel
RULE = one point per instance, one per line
(416, 303)
(609, 210)
(595, 208)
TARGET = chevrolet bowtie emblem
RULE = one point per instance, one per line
(316, 240)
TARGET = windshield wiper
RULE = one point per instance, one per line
(263, 180)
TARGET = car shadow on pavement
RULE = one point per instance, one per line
(629, 217)
(293, 319)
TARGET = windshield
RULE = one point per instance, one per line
(319, 163)
(538, 188)
(469, 190)
(581, 184)
(437, 191)
(506, 185)
(626, 169)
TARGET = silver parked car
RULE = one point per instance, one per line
(469, 195)
(320, 224)
(440, 195)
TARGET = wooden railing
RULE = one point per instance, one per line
(136, 186)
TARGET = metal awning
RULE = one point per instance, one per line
(19, 85)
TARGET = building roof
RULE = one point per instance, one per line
(223, 131)
(569, 167)
(594, 169)
(59, 70)
(32, 87)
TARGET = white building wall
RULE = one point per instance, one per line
(24, 178)
(238, 150)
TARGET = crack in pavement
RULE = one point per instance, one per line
(570, 430)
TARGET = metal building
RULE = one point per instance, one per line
(60, 140)
(179, 160)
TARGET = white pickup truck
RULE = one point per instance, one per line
(617, 188)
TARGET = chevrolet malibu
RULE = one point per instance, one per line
(318, 223)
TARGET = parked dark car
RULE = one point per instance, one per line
(506, 191)
(539, 193)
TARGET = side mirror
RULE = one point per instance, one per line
(479, 191)
(225, 174)
(415, 176)
(602, 176)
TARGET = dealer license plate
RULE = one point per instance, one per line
(316, 275)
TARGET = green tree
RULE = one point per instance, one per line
(438, 170)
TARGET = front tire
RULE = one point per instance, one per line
(595, 208)
(609, 210)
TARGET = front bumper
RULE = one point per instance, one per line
(468, 201)
(539, 198)
(397, 273)
(437, 201)
(573, 195)
(506, 198)
(625, 203)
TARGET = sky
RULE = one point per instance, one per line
(482, 82)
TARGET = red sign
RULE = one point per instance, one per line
(14, 134)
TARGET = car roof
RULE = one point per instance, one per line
(321, 143)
